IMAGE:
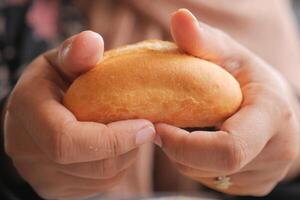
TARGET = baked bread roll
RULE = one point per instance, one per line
(154, 80)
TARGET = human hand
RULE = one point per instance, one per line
(257, 145)
(60, 157)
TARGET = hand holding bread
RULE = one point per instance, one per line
(185, 86)
(85, 151)
(253, 149)
(59, 156)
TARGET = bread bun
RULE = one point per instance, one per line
(154, 80)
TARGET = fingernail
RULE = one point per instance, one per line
(189, 13)
(65, 51)
(157, 140)
(145, 135)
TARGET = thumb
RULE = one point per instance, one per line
(90, 141)
(203, 41)
(77, 54)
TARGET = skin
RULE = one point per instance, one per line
(59, 156)
(257, 146)
(50, 149)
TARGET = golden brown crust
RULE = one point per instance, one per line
(154, 80)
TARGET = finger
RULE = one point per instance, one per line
(207, 151)
(58, 133)
(89, 141)
(243, 178)
(283, 157)
(227, 150)
(241, 139)
(254, 183)
(200, 39)
(264, 162)
(211, 44)
(77, 54)
(23, 146)
(76, 194)
(89, 184)
(54, 185)
(102, 169)
(258, 189)
(195, 172)
(64, 139)
(236, 144)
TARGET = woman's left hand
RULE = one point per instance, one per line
(254, 148)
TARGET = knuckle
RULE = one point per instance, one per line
(45, 193)
(10, 146)
(106, 168)
(19, 97)
(263, 192)
(280, 107)
(220, 33)
(50, 190)
(179, 153)
(288, 114)
(60, 151)
(289, 154)
(13, 100)
(282, 175)
(234, 154)
(107, 183)
(232, 64)
(10, 150)
(113, 144)
(259, 190)
(51, 195)
(184, 170)
(117, 178)
(289, 117)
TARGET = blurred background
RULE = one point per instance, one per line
(37, 46)
(297, 9)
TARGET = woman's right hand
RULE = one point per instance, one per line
(60, 157)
